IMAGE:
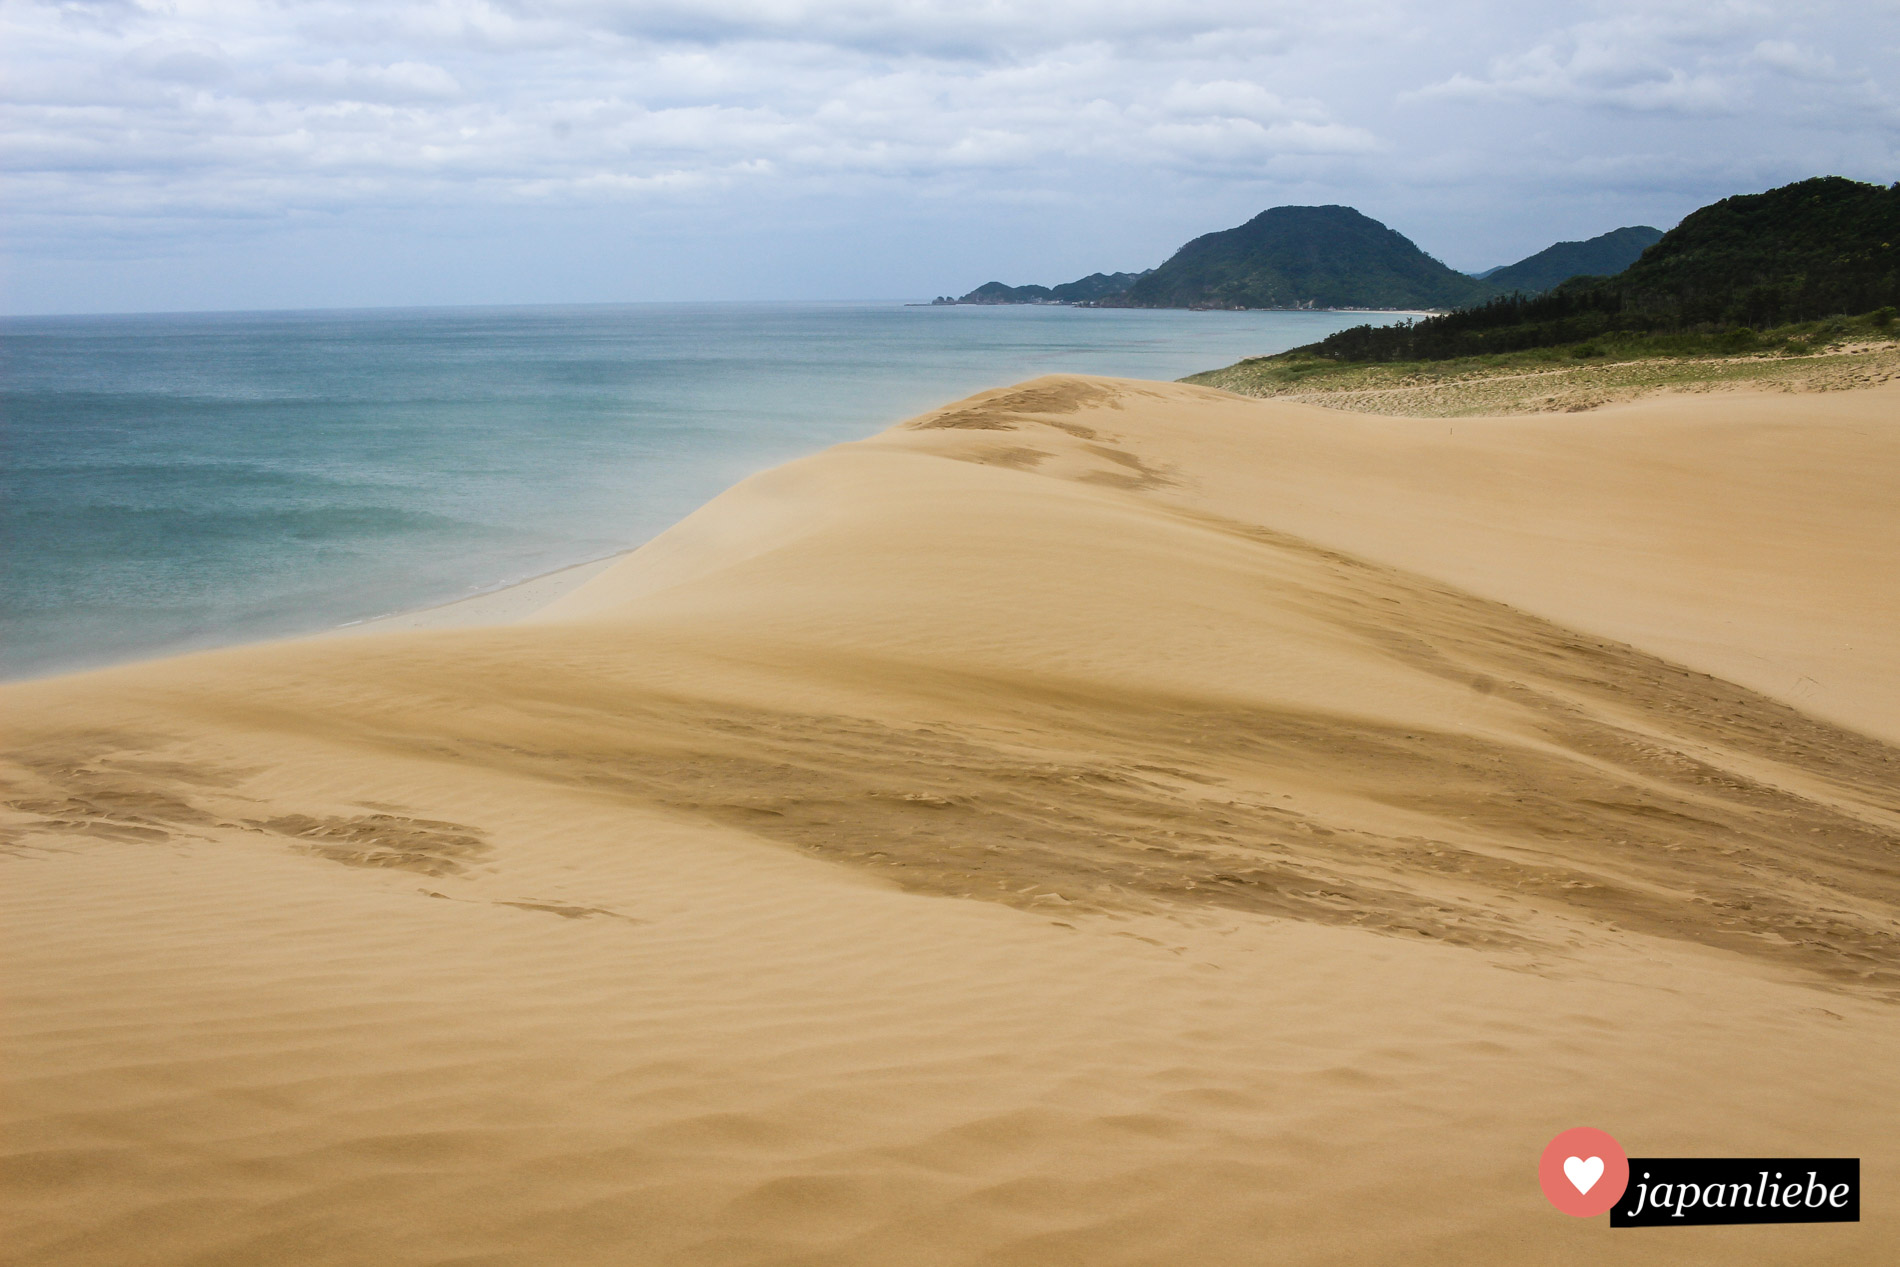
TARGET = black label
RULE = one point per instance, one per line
(1697, 1191)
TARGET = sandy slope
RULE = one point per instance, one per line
(1350, 802)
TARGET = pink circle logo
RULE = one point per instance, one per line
(1583, 1172)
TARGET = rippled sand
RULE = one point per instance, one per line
(1096, 822)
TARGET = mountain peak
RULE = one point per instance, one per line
(1600, 256)
(1303, 257)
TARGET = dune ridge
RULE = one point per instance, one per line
(1352, 802)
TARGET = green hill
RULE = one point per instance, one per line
(1809, 250)
(1599, 256)
(1095, 286)
(1303, 257)
(1083, 290)
(998, 293)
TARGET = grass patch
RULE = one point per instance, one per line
(1832, 354)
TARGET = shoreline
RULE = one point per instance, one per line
(502, 605)
(1260, 780)
(220, 581)
(517, 600)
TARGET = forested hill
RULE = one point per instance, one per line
(1812, 249)
(1599, 256)
(1318, 257)
(1303, 257)
(1081, 291)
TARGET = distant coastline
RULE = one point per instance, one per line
(1319, 259)
(945, 301)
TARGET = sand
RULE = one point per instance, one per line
(1492, 386)
(1096, 822)
(500, 606)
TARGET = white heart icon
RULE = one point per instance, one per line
(1583, 1174)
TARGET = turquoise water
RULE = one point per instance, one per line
(173, 482)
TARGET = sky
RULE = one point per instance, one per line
(173, 155)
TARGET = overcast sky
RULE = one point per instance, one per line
(189, 154)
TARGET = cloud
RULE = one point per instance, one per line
(1796, 60)
(1636, 62)
(179, 61)
(341, 80)
(120, 118)
(1702, 60)
(605, 99)
(937, 29)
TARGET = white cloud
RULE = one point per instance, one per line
(1640, 62)
(1664, 59)
(179, 61)
(1797, 60)
(123, 119)
(341, 80)
(619, 99)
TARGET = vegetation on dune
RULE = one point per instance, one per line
(1798, 253)
(1838, 352)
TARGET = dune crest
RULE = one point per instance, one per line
(1354, 803)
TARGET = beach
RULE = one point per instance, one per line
(178, 482)
(1095, 821)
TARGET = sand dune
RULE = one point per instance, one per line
(1096, 822)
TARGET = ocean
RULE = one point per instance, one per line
(172, 482)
